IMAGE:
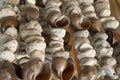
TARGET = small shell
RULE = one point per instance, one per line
(104, 13)
(33, 38)
(7, 12)
(108, 61)
(38, 54)
(30, 1)
(7, 55)
(64, 54)
(90, 14)
(83, 33)
(86, 1)
(112, 24)
(11, 45)
(12, 32)
(62, 21)
(99, 35)
(25, 33)
(88, 8)
(36, 45)
(58, 32)
(104, 19)
(4, 38)
(87, 53)
(104, 52)
(88, 61)
(33, 25)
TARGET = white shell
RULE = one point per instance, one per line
(104, 19)
(88, 61)
(64, 54)
(7, 55)
(90, 14)
(104, 13)
(11, 45)
(86, 1)
(25, 33)
(36, 45)
(7, 12)
(31, 1)
(12, 32)
(87, 53)
(103, 36)
(38, 54)
(55, 42)
(88, 8)
(58, 32)
(104, 52)
(113, 24)
(83, 33)
(108, 70)
(33, 38)
(33, 25)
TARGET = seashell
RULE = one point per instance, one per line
(38, 54)
(90, 14)
(53, 3)
(100, 35)
(26, 33)
(12, 32)
(62, 68)
(36, 45)
(58, 32)
(104, 19)
(13, 2)
(62, 21)
(58, 66)
(85, 1)
(54, 48)
(28, 12)
(88, 61)
(4, 38)
(7, 55)
(52, 16)
(104, 13)
(45, 74)
(23, 60)
(7, 12)
(87, 53)
(64, 54)
(99, 5)
(83, 33)
(9, 21)
(109, 71)
(80, 40)
(32, 69)
(112, 24)
(102, 43)
(30, 2)
(33, 24)
(108, 61)
(33, 38)
(88, 8)
(11, 45)
(55, 42)
(88, 73)
(84, 46)
(104, 52)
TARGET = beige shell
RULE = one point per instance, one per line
(7, 55)
(12, 32)
(7, 12)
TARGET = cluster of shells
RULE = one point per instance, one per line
(36, 35)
